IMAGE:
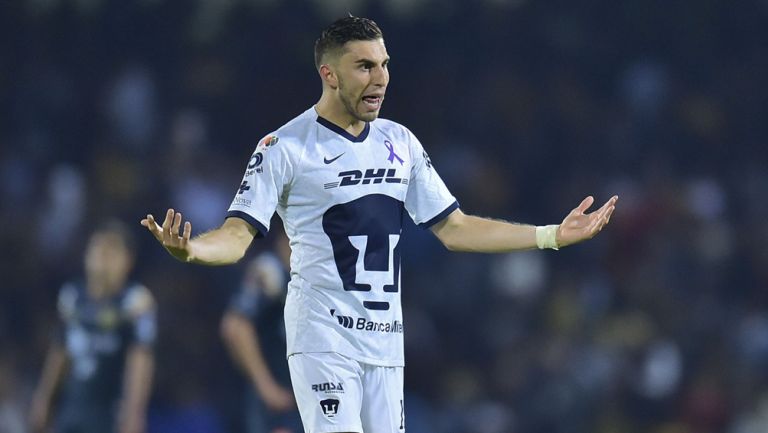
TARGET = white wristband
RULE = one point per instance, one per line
(546, 237)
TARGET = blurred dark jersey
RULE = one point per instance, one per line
(266, 315)
(264, 309)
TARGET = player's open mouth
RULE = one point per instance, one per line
(372, 102)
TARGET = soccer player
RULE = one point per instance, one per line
(342, 180)
(254, 332)
(103, 356)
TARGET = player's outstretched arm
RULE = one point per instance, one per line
(222, 246)
(139, 365)
(137, 385)
(56, 365)
(461, 232)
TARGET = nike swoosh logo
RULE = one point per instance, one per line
(328, 161)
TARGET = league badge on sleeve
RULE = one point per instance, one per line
(268, 141)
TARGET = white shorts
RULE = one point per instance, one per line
(338, 394)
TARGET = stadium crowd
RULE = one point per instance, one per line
(660, 324)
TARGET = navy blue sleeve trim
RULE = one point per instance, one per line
(260, 228)
(441, 216)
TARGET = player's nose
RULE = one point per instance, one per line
(380, 77)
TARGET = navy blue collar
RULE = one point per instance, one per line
(339, 130)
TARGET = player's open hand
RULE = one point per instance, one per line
(579, 225)
(177, 243)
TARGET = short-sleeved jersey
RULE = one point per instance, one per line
(96, 335)
(343, 200)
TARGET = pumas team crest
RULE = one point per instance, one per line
(330, 407)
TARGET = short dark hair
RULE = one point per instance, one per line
(120, 229)
(342, 31)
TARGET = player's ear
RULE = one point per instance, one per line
(328, 76)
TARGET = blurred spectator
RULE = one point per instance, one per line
(132, 109)
(66, 205)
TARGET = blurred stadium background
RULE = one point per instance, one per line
(120, 108)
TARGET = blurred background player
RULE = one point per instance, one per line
(102, 354)
(253, 330)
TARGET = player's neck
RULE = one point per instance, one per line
(100, 289)
(335, 112)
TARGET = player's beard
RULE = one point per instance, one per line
(349, 103)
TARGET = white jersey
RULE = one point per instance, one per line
(342, 200)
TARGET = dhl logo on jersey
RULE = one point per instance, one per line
(369, 176)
